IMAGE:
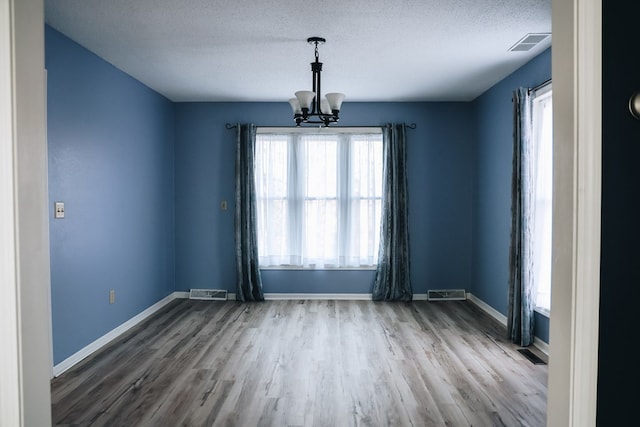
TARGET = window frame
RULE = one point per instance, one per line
(539, 95)
(261, 130)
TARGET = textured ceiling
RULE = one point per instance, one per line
(240, 50)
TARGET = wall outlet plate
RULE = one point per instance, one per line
(59, 210)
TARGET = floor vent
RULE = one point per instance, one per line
(531, 356)
(208, 294)
(446, 295)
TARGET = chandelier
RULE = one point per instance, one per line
(308, 106)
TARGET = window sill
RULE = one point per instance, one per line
(543, 311)
(302, 268)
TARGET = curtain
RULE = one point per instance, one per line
(249, 282)
(392, 280)
(520, 311)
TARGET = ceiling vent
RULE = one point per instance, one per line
(529, 41)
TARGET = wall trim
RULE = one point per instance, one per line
(274, 296)
(541, 345)
(320, 296)
(96, 345)
(282, 296)
(316, 296)
(502, 319)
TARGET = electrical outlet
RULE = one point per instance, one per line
(112, 296)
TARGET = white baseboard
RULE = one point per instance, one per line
(538, 343)
(96, 345)
(283, 296)
(314, 296)
(541, 345)
(488, 309)
(317, 296)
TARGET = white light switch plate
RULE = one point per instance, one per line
(59, 210)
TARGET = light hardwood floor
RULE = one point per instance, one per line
(306, 363)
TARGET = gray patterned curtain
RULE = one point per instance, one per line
(392, 281)
(249, 285)
(521, 317)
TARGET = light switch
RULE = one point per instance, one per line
(223, 205)
(59, 210)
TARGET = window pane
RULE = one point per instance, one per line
(321, 162)
(366, 165)
(320, 232)
(271, 165)
(543, 196)
(271, 177)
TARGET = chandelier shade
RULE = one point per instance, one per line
(335, 100)
(309, 107)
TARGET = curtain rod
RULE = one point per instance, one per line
(230, 126)
(540, 86)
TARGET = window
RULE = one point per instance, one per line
(319, 197)
(542, 168)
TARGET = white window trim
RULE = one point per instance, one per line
(543, 311)
(321, 268)
(315, 130)
(538, 95)
(278, 130)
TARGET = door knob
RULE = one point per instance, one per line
(634, 105)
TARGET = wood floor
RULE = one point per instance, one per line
(306, 363)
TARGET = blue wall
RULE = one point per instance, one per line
(111, 162)
(440, 170)
(492, 190)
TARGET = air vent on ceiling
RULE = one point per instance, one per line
(446, 295)
(208, 294)
(529, 41)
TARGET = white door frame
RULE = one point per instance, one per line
(576, 65)
(10, 405)
(25, 352)
(575, 300)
